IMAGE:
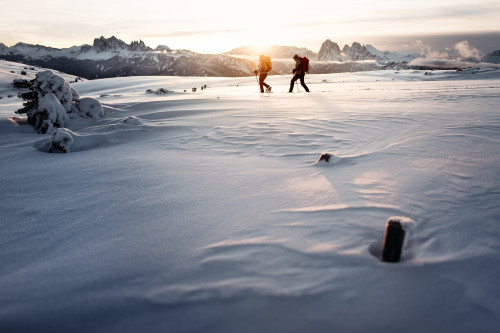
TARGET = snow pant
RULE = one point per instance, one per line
(262, 84)
(297, 77)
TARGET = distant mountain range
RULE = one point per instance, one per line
(111, 57)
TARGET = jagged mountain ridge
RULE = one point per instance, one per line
(330, 51)
(493, 57)
(111, 57)
(113, 44)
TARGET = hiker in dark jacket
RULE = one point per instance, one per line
(299, 74)
(264, 68)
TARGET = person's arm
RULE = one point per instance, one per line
(257, 71)
(298, 65)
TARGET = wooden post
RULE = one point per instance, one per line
(325, 157)
(393, 241)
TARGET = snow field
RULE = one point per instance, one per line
(209, 211)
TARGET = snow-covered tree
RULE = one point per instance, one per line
(50, 101)
(49, 113)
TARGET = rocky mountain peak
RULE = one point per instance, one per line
(329, 51)
(139, 46)
(494, 53)
(103, 44)
(357, 52)
(493, 57)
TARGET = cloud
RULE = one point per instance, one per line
(450, 63)
(463, 55)
(427, 51)
(462, 51)
(466, 51)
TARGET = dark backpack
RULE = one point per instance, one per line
(305, 65)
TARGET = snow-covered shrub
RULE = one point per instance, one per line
(48, 113)
(74, 109)
(50, 99)
(90, 107)
(61, 141)
(20, 83)
(47, 101)
(128, 121)
(47, 82)
(158, 92)
(75, 96)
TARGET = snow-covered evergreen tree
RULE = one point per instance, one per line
(50, 101)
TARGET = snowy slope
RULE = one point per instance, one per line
(207, 212)
(389, 56)
(11, 71)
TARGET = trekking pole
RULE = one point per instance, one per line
(297, 86)
(258, 84)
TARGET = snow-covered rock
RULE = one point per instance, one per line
(160, 91)
(61, 141)
(90, 107)
(129, 121)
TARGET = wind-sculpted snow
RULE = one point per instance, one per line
(213, 210)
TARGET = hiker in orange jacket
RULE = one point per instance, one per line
(264, 68)
(299, 73)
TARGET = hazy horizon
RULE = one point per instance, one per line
(218, 26)
(483, 42)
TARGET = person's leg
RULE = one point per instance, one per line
(262, 77)
(292, 83)
(302, 82)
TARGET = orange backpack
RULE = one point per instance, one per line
(266, 64)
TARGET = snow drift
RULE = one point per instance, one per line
(206, 211)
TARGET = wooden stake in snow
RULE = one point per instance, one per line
(325, 157)
(393, 241)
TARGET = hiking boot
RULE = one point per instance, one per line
(268, 89)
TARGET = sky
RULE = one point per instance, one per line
(215, 26)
